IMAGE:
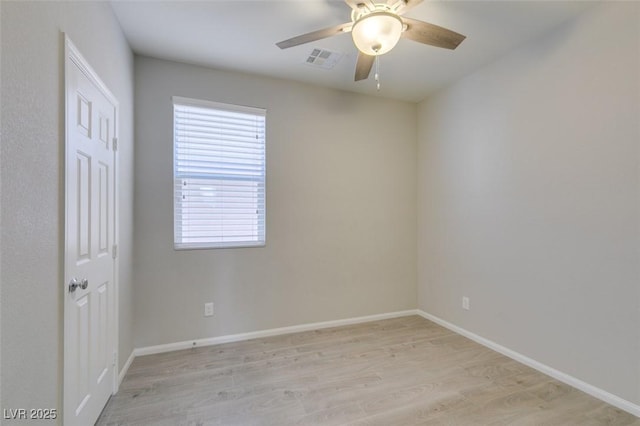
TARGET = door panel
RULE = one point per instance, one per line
(84, 115)
(89, 313)
(81, 327)
(103, 209)
(82, 204)
(102, 334)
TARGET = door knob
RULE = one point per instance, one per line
(76, 283)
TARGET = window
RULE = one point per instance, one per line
(219, 175)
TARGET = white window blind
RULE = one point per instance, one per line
(219, 175)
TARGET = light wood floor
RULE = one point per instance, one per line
(404, 371)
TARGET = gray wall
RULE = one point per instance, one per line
(529, 200)
(32, 199)
(341, 210)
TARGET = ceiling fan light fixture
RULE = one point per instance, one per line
(377, 33)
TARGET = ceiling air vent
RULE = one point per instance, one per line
(322, 58)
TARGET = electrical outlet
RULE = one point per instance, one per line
(465, 303)
(208, 309)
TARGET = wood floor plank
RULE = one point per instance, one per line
(401, 371)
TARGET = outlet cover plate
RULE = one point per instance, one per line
(208, 309)
(465, 303)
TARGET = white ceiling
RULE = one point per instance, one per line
(240, 36)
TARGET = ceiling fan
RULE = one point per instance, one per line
(376, 27)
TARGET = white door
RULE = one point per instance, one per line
(89, 304)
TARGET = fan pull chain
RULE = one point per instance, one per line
(377, 76)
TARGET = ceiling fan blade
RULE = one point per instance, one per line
(402, 6)
(426, 33)
(363, 66)
(315, 35)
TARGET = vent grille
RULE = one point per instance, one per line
(322, 58)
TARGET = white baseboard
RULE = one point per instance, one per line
(126, 366)
(594, 391)
(148, 350)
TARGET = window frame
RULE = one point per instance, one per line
(200, 103)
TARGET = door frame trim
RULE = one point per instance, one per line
(73, 57)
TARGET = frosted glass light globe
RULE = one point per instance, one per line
(377, 33)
